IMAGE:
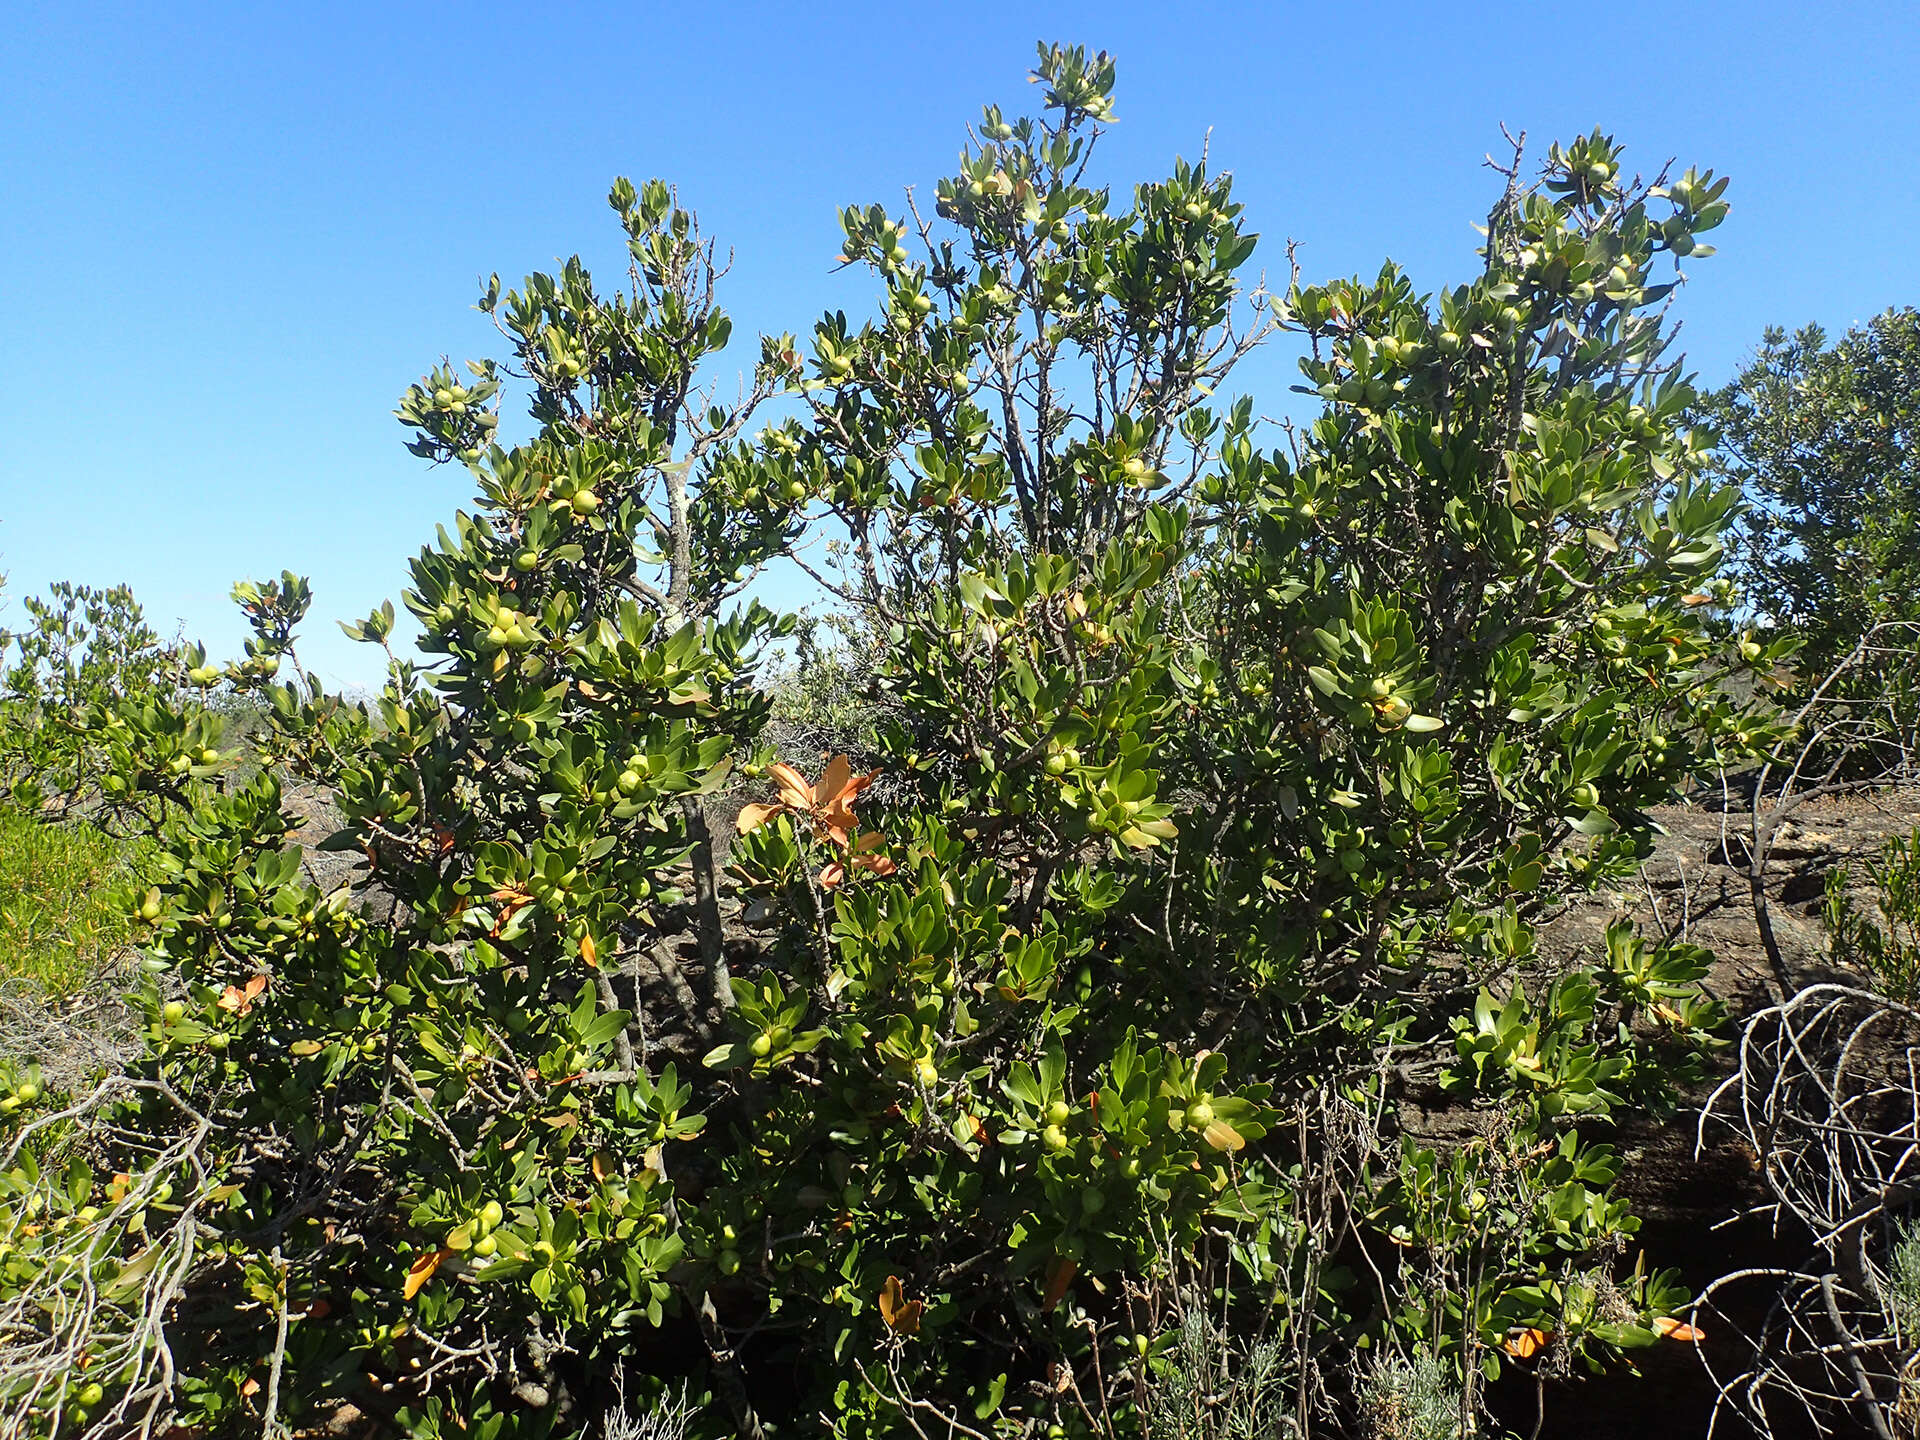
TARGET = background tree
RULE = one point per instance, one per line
(1825, 441)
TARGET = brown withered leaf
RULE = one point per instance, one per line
(901, 1314)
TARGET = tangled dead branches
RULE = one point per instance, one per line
(1827, 1092)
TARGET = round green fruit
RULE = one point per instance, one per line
(1054, 1138)
(761, 1046)
(173, 1012)
(584, 502)
(491, 1214)
(1056, 765)
(1058, 1112)
(91, 1395)
(526, 561)
(1199, 1115)
(28, 1092)
(486, 1246)
(927, 1073)
(729, 1262)
(1092, 1200)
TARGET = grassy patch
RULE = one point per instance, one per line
(59, 922)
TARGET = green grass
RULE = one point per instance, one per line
(60, 923)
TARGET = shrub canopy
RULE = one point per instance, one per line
(1229, 770)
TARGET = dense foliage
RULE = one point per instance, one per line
(1823, 438)
(1227, 774)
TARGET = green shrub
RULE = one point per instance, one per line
(1209, 1388)
(1884, 944)
(1227, 785)
(1412, 1398)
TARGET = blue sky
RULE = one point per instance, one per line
(232, 234)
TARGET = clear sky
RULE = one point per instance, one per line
(230, 235)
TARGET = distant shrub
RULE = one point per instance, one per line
(1883, 942)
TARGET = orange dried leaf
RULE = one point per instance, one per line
(831, 787)
(421, 1271)
(794, 789)
(752, 817)
(901, 1314)
(1674, 1329)
(239, 1000)
(1521, 1344)
(588, 953)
